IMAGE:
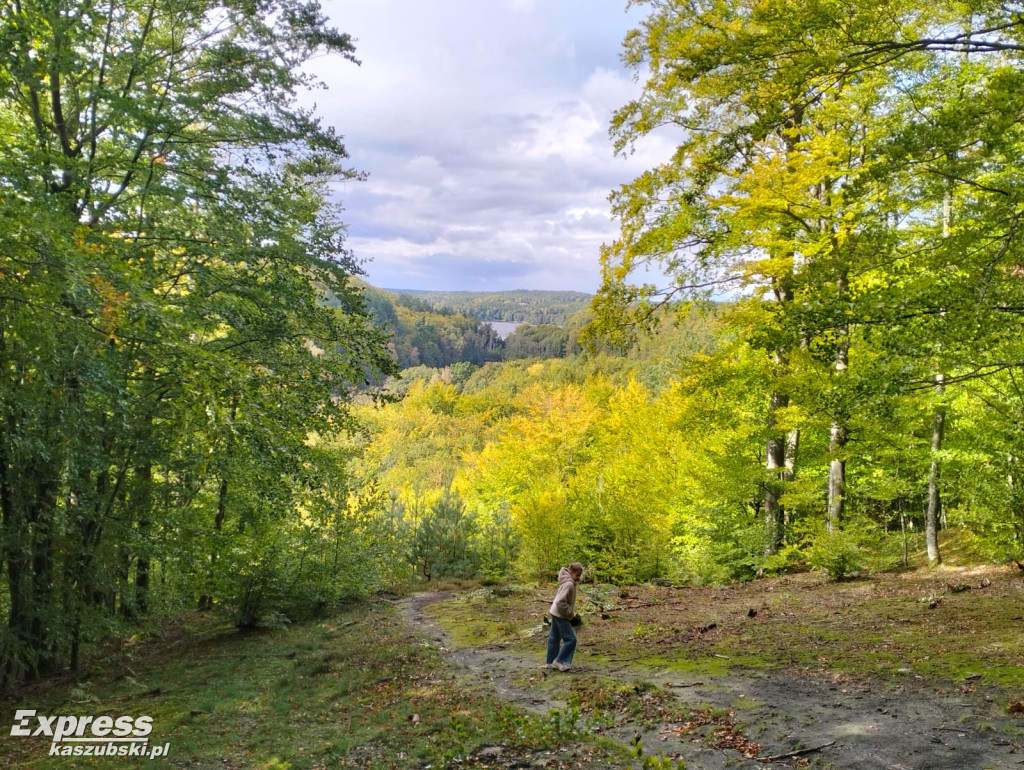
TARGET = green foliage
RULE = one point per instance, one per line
(654, 761)
(551, 729)
(836, 553)
(531, 307)
(303, 571)
(865, 282)
(722, 547)
(498, 545)
(543, 341)
(442, 546)
(167, 254)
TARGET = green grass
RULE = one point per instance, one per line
(473, 619)
(356, 690)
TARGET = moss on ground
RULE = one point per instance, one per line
(959, 626)
(355, 690)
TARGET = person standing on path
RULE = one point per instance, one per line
(563, 608)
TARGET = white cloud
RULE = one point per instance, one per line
(484, 130)
(606, 91)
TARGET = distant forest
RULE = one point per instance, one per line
(437, 329)
(532, 307)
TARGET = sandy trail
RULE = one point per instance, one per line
(868, 726)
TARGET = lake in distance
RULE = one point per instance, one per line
(504, 328)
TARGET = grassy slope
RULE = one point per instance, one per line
(356, 690)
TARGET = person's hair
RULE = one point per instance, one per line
(576, 567)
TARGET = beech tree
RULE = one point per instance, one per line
(821, 150)
(166, 349)
(757, 195)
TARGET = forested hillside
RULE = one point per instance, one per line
(650, 466)
(532, 307)
(420, 335)
(425, 330)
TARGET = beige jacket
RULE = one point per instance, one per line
(564, 605)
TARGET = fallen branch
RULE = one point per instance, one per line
(952, 730)
(794, 753)
(680, 684)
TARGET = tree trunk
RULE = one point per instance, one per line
(838, 430)
(934, 512)
(143, 500)
(29, 489)
(903, 529)
(142, 574)
(780, 452)
(33, 624)
(792, 449)
(836, 478)
(206, 600)
(775, 467)
(838, 435)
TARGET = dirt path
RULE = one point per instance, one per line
(867, 726)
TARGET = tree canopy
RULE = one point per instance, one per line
(843, 167)
(167, 246)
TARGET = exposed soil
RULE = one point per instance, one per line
(842, 673)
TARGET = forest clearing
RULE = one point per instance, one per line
(914, 670)
(904, 670)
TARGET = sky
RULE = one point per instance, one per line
(483, 128)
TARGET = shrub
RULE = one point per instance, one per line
(836, 553)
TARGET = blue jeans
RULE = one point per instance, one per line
(561, 633)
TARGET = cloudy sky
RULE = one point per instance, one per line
(483, 126)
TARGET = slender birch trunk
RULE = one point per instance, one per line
(775, 466)
(934, 512)
(838, 433)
